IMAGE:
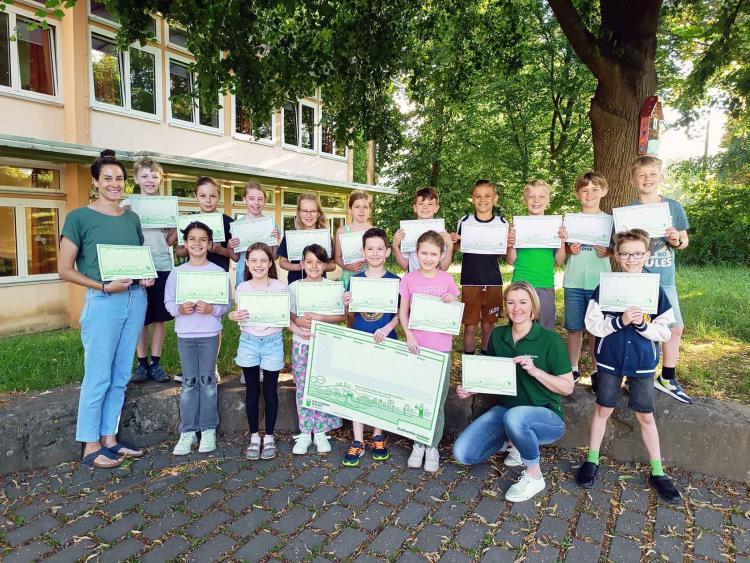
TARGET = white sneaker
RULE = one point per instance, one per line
(185, 443)
(513, 457)
(177, 378)
(432, 460)
(242, 378)
(416, 456)
(301, 443)
(321, 442)
(208, 441)
(525, 488)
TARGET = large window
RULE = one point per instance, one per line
(29, 231)
(299, 125)
(258, 130)
(183, 106)
(328, 144)
(14, 178)
(177, 37)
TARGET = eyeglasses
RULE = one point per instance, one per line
(308, 211)
(628, 255)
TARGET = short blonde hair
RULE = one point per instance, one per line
(591, 177)
(644, 161)
(533, 297)
(536, 184)
(322, 221)
(148, 164)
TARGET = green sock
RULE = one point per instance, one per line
(656, 468)
(593, 456)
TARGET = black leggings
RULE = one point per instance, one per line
(252, 396)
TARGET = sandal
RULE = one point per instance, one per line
(119, 446)
(269, 450)
(90, 459)
(253, 451)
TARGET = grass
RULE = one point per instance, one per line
(715, 358)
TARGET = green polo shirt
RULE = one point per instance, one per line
(549, 353)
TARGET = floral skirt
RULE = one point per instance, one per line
(309, 420)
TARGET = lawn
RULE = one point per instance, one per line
(715, 359)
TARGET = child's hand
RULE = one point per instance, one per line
(398, 236)
(379, 335)
(601, 251)
(575, 248)
(448, 239)
(412, 344)
(673, 236)
(563, 233)
(527, 363)
(354, 266)
(304, 322)
(233, 242)
(204, 308)
(275, 233)
(632, 315)
(511, 237)
(455, 237)
(186, 308)
(147, 282)
(347, 298)
(463, 393)
(238, 315)
(448, 298)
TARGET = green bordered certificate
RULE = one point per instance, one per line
(125, 262)
(351, 247)
(484, 238)
(266, 309)
(209, 287)
(323, 298)
(432, 314)
(214, 221)
(298, 239)
(537, 231)
(589, 228)
(620, 290)
(250, 231)
(488, 374)
(415, 228)
(373, 295)
(381, 385)
(155, 212)
(654, 218)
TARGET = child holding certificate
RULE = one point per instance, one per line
(359, 209)
(627, 345)
(380, 325)
(198, 327)
(315, 260)
(429, 279)
(537, 265)
(309, 216)
(260, 348)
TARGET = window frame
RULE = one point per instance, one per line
(244, 136)
(270, 201)
(19, 163)
(316, 128)
(333, 155)
(194, 125)
(191, 200)
(168, 40)
(115, 24)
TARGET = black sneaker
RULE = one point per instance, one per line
(142, 373)
(576, 376)
(672, 388)
(157, 374)
(666, 489)
(593, 382)
(586, 474)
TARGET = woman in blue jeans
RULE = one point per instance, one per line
(112, 315)
(534, 415)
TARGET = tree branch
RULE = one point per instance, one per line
(581, 39)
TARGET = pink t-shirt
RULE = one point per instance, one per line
(274, 286)
(415, 282)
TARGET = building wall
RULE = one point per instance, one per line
(34, 307)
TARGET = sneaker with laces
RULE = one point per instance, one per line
(379, 449)
(301, 443)
(586, 474)
(208, 441)
(321, 442)
(526, 488)
(351, 458)
(432, 460)
(157, 374)
(177, 378)
(513, 458)
(141, 374)
(672, 388)
(416, 456)
(185, 443)
(666, 489)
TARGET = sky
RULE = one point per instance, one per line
(677, 143)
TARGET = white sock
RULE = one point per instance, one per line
(255, 439)
(268, 439)
(575, 368)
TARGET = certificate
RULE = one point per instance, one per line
(373, 295)
(214, 221)
(155, 212)
(298, 239)
(488, 374)
(125, 262)
(654, 218)
(484, 238)
(589, 228)
(430, 313)
(209, 287)
(266, 309)
(416, 228)
(381, 385)
(323, 298)
(250, 231)
(537, 231)
(620, 290)
(351, 247)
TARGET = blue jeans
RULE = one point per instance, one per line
(527, 427)
(110, 328)
(199, 409)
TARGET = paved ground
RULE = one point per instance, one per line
(206, 508)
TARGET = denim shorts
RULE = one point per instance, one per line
(671, 292)
(264, 351)
(640, 392)
(576, 303)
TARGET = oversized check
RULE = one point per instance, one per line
(125, 262)
(250, 231)
(373, 295)
(386, 386)
(484, 238)
(214, 221)
(488, 374)
(351, 247)
(415, 228)
(654, 218)
(323, 298)
(620, 290)
(155, 212)
(537, 231)
(298, 239)
(589, 228)
(432, 314)
(209, 287)
(265, 309)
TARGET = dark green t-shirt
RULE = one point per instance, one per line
(86, 228)
(549, 353)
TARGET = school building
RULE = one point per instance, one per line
(67, 92)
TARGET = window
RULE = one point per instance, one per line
(329, 201)
(263, 130)
(177, 37)
(29, 231)
(288, 222)
(183, 106)
(334, 223)
(8, 245)
(299, 125)
(98, 11)
(289, 199)
(328, 144)
(29, 178)
(239, 194)
(182, 188)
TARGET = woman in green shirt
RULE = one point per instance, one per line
(534, 415)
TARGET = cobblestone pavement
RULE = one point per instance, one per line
(222, 507)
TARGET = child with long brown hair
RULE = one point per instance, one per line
(309, 216)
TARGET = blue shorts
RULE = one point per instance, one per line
(671, 292)
(264, 351)
(576, 303)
